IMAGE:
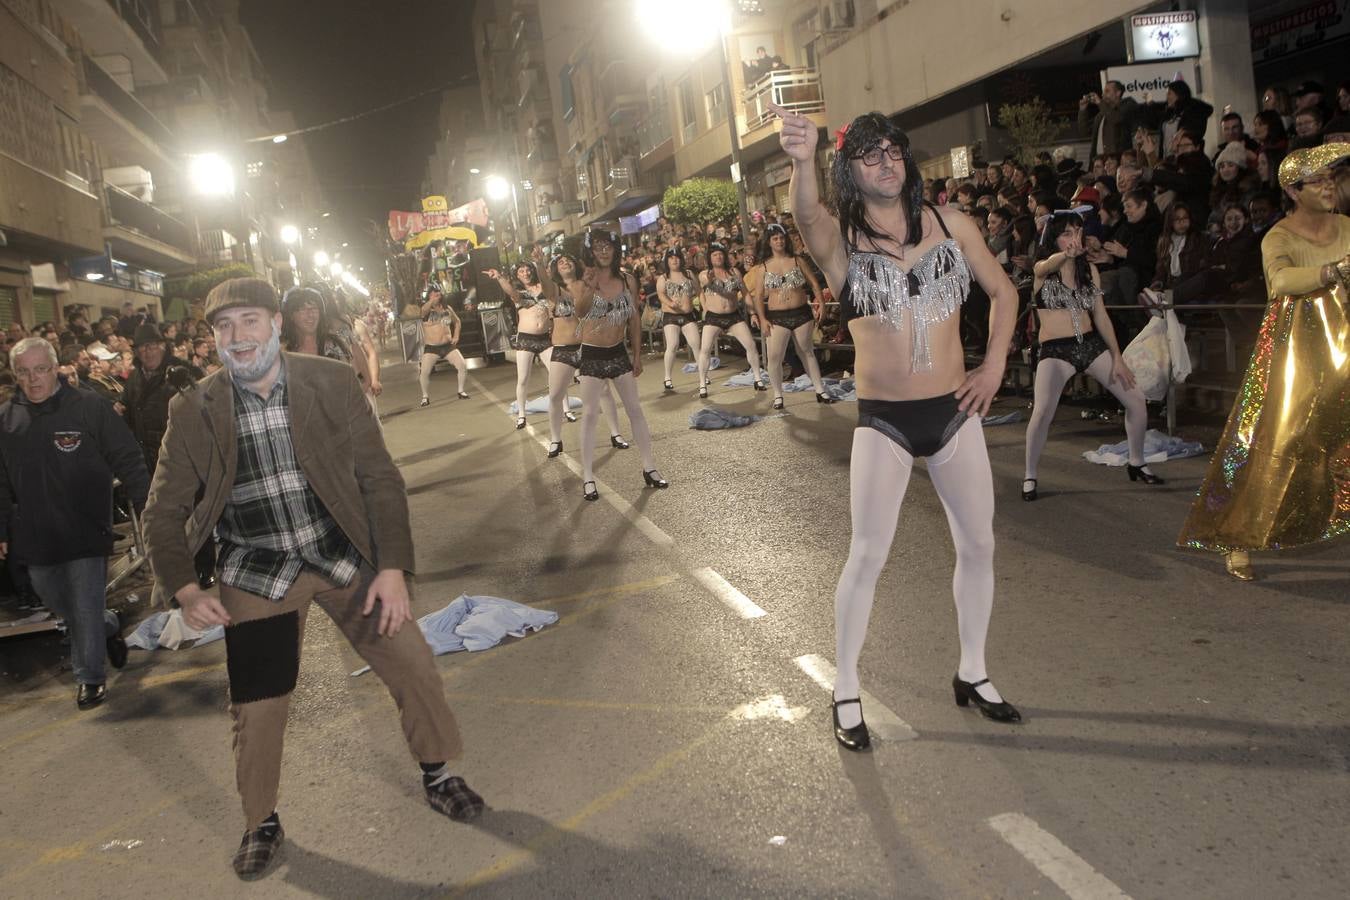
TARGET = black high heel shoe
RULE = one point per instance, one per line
(703, 393)
(760, 386)
(592, 494)
(554, 448)
(570, 416)
(856, 738)
(1029, 495)
(824, 398)
(777, 402)
(669, 386)
(617, 442)
(999, 712)
(1137, 473)
(463, 396)
(653, 480)
(520, 423)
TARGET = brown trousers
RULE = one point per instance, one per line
(260, 639)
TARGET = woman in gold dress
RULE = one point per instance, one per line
(1280, 476)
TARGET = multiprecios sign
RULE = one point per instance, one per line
(1172, 35)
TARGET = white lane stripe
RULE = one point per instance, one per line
(724, 591)
(880, 720)
(1054, 860)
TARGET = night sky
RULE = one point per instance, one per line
(326, 60)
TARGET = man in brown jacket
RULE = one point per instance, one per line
(280, 455)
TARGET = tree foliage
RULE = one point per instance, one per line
(699, 201)
(197, 285)
(1029, 127)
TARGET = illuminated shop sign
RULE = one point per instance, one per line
(1170, 35)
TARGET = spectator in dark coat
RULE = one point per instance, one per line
(1108, 118)
(149, 390)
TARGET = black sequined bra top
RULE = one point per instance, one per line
(615, 311)
(791, 279)
(727, 287)
(1055, 294)
(564, 307)
(929, 292)
(525, 299)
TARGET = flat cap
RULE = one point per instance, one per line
(241, 292)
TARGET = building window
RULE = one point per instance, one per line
(688, 108)
(715, 102)
(9, 305)
(254, 169)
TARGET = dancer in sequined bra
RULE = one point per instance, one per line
(1076, 336)
(723, 296)
(1280, 476)
(611, 350)
(787, 301)
(677, 289)
(901, 270)
(565, 272)
(534, 305)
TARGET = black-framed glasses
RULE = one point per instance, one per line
(872, 157)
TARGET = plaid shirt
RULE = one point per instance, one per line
(274, 524)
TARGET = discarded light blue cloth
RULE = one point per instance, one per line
(745, 379)
(1158, 447)
(710, 418)
(691, 368)
(540, 405)
(168, 630)
(1005, 419)
(477, 623)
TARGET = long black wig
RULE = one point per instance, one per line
(846, 201)
(1061, 221)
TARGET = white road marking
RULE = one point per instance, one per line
(1054, 860)
(880, 720)
(723, 590)
(771, 707)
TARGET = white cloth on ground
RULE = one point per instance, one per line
(168, 630)
(1158, 447)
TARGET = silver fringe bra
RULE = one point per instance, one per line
(1055, 294)
(793, 278)
(879, 287)
(615, 311)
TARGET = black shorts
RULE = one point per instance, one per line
(604, 362)
(723, 321)
(440, 351)
(524, 342)
(1079, 354)
(921, 427)
(678, 319)
(567, 354)
(792, 319)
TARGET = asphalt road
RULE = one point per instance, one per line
(1185, 735)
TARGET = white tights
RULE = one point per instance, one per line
(455, 358)
(777, 349)
(741, 332)
(878, 476)
(559, 377)
(672, 333)
(627, 387)
(1051, 376)
(523, 362)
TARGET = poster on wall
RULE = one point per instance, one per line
(1170, 35)
(757, 56)
(1302, 26)
(1146, 82)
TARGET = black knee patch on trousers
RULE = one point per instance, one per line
(263, 657)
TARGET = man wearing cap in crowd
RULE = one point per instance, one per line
(60, 448)
(281, 456)
(1278, 478)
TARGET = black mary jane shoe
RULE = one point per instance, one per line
(669, 386)
(617, 442)
(966, 694)
(777, 402)
(554, 448)
(825, 398)
(1028, 495)
(462, 395)
(592, 494)
(90, 695)
(703, 393)
(520, 423)
(760, 386)
(856, 738)
(426, 401)
(570, 416)
(1138, 473)
(654, 480)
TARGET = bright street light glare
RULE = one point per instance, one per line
(279, 139)
(473, 171)
(691, 25)
(498, 188)
(211, 174)
(321, 259)
(336, 269)
(289, 234)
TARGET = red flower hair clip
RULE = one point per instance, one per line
(839, 139)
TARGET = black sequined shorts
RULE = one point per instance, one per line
(792, 319)
(440, 351)
(524, 342)
(921, 427)
(723, 321)
(567, 354)
(1079, 354)
(678, 319)
(604, 362)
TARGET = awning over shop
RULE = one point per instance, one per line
(631, 202)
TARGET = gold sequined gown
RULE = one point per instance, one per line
(1280, 476)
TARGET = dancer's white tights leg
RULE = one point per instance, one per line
(428, 362)
(741, 332)
(1051, 376)
(590, 408)
(559, 377)
(690, 330)
(807, 352)
(610, 410)
(627, 387)
(672, 336)
(1136, 406)
(707, 344)
(777, 349)
(523, 363)
(461, 368)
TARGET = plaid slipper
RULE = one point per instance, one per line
(258, 851)
(454, 798)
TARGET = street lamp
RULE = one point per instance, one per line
(693, 25)
(289, 234)
(497, 187)
(336, 269)
(211, 175)
(321, 259)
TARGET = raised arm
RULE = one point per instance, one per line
(820, 230)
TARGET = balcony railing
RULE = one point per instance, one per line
(99, 83)
(654, 130)
(797, 90)
(126, 211)
(143, 17)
